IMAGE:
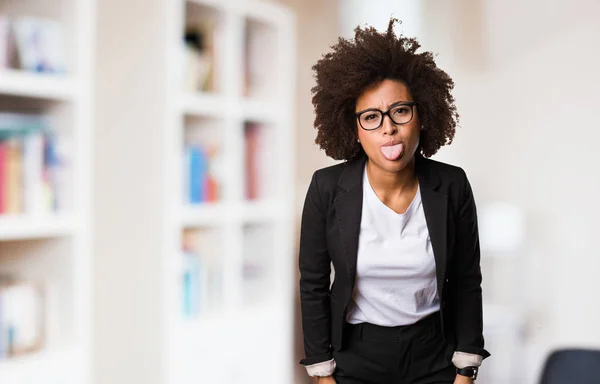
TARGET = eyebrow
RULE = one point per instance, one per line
(394, 104)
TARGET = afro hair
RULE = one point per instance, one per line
(370, 57)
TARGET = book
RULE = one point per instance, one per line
(31, 168)
(201, 179)
(260, 142)
(33, 173)
(251, 137)
(196, 174)
(13, 177)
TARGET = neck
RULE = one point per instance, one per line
(392, 181)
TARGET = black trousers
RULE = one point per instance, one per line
(411, 354)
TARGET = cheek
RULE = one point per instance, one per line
(414, 132)
(366, 138)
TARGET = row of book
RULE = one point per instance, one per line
(200, 178)
(31, 165)
(22, 316)
(32, 44)
(201, 272)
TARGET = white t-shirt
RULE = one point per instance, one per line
(395, 274)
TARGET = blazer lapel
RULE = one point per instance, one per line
(435, 206)
(348, 207)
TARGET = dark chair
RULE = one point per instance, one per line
(572, 366)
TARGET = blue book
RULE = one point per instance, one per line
(52, 163)
(191, 284)
(198, 168)
(194, 173)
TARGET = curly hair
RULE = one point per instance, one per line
(356, 65)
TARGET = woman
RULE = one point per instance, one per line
(400, 230)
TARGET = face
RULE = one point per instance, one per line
(392, 146)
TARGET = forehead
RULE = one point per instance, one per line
(383, 94)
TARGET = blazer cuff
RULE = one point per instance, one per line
(326, 368)
(316, 359)
(473, 350)
(463, 360)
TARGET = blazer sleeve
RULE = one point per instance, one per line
(315, 271)
(468, 309)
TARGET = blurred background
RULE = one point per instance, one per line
(155, 155)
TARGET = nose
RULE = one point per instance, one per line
(388, 127)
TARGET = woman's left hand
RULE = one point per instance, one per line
(463, 380)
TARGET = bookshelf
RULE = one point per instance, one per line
(244, 235)
(45, 246)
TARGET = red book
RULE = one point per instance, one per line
(251, 136)
(211, 189)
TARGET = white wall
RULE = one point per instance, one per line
(377, 14)
(528, 75)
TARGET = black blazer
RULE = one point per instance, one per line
(329, 234)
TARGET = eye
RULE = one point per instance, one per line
(401, 110)
(370, 116)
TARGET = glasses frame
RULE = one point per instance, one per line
(410, 104)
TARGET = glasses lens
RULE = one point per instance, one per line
(370, 119)
(401, 114)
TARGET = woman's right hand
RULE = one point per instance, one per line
(326, 380)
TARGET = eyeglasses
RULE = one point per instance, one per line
(372, 118)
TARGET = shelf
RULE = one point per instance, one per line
(46, 367)
(36, 85)
(262, 110)
(213, 105)
(203, 214)
(24, 227)
(261, 210)
(217, 213)
(202, 104)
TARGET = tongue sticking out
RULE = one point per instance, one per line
(392, 152)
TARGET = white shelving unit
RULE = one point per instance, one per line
(252, 321)
(54, 249)
(32, 85)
